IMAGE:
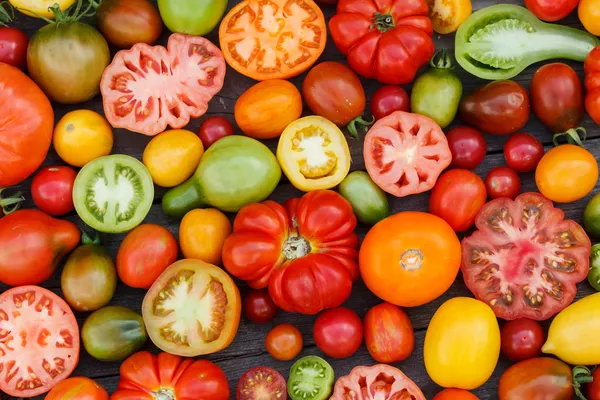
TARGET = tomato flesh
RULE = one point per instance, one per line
(261, 383)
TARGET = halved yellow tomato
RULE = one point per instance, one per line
(447, 15)
(313, 153)
(40, 8)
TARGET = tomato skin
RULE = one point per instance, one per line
(190, 17)
(13, 47)
(258, 306)
(52, 190)
(523, 152)
(551, 10)
(261, 383)
(468, 147)
(213, 129)
(446, 16)
(388, 99)
(284, 342)
(591, 68)
(502, 182)
(541, 377)
(593, 389)
(37, 9)
(589, 15)
(202, 234)
(521, 339)
(455, 394)
(389, 335)
(338, 332)
(78, 388)
(127, 22)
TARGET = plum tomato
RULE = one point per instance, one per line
(78, 388)
(502, 182)
(202, 234)
(523, 152)
(389, 335)
(525, 259)
(127, 22)
(52, 190)
(388, 99)
(551, 10)
(13, 47)
(259, 307)
(468, 147)
(261, 383)
(521, 339)
(338, 332)
(284, 342)
(455, 394)
(213, 129)
(376, 382)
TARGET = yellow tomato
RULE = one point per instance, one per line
(202, 234)
(81, 136)
(573, 334)
(173, 156)
(313, 154)
(566, 173)
(589, 14)
(462, 344)
(40, 8)
(447, 15)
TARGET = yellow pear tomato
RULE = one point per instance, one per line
(462, 344)
(40, 8)
(202, 234)
(447, 15)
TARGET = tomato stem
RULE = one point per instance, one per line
(441, 60)
(11, 203)
(383, 22)
(71, 14)
(353, 130)
(87, 239)
(581, 375)
(574, 136)
(5, 16)
(295, 247)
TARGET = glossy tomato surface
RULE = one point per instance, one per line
(261, 383)
(202, 234)
(539, 377)
(455, 394)
(502, 182)
(593, 389)
(78, 388)
(259, 307)
(213, 129)
(521, 339)
(389, 333)
(551, 10)
(284, 342)
(13, 47)
(127, 22)
(591, 68)
(468, 147)
(388, 99)
(52, 190)
(338, 332)
(448, 15)
(523, 152)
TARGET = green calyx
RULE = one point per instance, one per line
(581, 375)
(574, 136)
(87, 239)
(71, 14)
(352, 125)
(441, 60)
(10, 203)
(383, 22)
(7, 13)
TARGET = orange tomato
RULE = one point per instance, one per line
(79, 388)
(410, 258)
(455, 394)
(202, 234)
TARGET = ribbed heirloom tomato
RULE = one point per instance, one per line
(592, 84)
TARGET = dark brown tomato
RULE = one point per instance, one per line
(536, 378)
(127, 22)
(502, 182)
(261, 383)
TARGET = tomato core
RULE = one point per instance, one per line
(164, 394)
(315, 158)
(383, 22)
(411, 259)
(295, 247)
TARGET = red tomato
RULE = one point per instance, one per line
(79, 388)
(306, 253)
(457, 197)
(593, 389)
(261, 383)
(388, 99)
(52, 190)
(41, 341)
(467, 146)
(389, 335)
(338, 332)
(504, 261)
(523, 152)
(388, 41)
(551, 10)
(127, 22)
(144, 376)
(592, 84)
(521, 339)
(259, 307)
(13, 47)
(405, 153)
(502, 182)
(213, 129)
(284, 342)
(455, 394)
(155, 94)
(144, 254)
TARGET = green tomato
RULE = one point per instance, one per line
(591, 216)
(369, 202)
(192, 17)
(311, 378)
(594, 273)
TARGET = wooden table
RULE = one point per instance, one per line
(248, 349)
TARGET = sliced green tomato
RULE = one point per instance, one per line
(311, 378)
(113, 194)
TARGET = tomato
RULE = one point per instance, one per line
(388, 41)
(13, 47)
(191, 17)
(32, 244)
(313, 154)
(389, 334)
(202, 299)
(401, 144)
(501, 260)
(523, 152)
(455, 394)
(376, 382)
(145, 376)
(521, 339)
(498, 108)
(79, 388)
(26, 125)
(169, 86)
(311, 378)
(457, 197)
(202, 234)
(264, 110)
(502, 182)
(589, 15)
(40, 8)
(144, 254)
(369, 202)
(462, 344)
(52, 190)
(213, 129)
(388, 99)
(338, 332)
(253, 44)
(304, 252)
(284, 342)
(447, 16)
(410, 258)
(261, 383)
(551, 10)
(34, 363)
(259, 307)
(127, 22)
(591, 217)
(593, 388)
(566, 173)
(468, 147)
(592, 84)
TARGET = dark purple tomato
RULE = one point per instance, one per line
(502, 182)
(468, 147)
(521, 339)
(523, 152)
(127, 22)
(388, 99)
(13, 47)
(213, 129)
(259, 307)
(52, 190)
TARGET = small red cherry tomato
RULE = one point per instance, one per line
(284, 342)
(523, 152)
(213, 129)
(52, 190)
(13, 47)
(551, 10)
(388, 99)
(467, 146)
(503, 182)
(259, 307)
(521, 339)
(338, 332)
(593, 389)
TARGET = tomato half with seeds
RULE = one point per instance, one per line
(405, 153)
(193, 308)
(275, 39)
(40, 340)
(525, 258)
(261, 383)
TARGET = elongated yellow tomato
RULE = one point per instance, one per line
(447, 15)
(573, 334)
(313, 153)
(40, 8)
(462, 344)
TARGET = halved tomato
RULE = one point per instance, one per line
(147, 88)
(39, 340)
(525, 259)
(193, 308)
(274, 39)
(405, 153)
(261, 383)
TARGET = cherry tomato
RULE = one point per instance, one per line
(593, 389)
(261, 383)
(521, 339)
(551, 10)
(388, 99)
(502, 182)
(523, 152)
(338, 332)
(52, 190)
(455, 394)
(13, 47)
(284, 342)
(259, 307)
(468, 147)
(213, 129)
(389, 335)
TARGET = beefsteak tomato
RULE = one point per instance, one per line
(525, 258)
(592, 84)
(386, 40)
(305, 251)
